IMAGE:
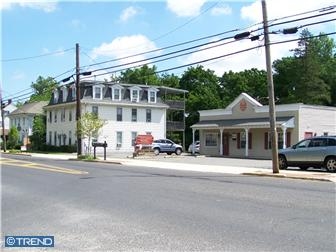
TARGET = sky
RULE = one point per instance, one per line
(38, 38)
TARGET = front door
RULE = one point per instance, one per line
(226, 144)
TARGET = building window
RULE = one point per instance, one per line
(135, 95)
(280, 140)
(134, 135)
(63, 115)
(241, 140)
(119, 114)
(23, 121)
(152, 96)
(55, 138)
(95, 110)
(65, 93)
(119, 139)
(50, 137)
(70, 115)
(50, 116)
(97, 92)
(211, 139)
(116, 94)
(55, 96)
(55, 116)
(70, 138)
(134, 115)
(73, 93)
(148, 115)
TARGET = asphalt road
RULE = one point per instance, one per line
(106, 207)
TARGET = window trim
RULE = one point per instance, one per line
(212, 141)
(151, 91)
(100, 87)
(136, 115)
(119, 115)
(132, 97)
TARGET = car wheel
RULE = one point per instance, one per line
(178, 151)
(282, 162)
(330, 164)
(156, 151)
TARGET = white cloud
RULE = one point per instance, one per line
(128, 13)
(185, 8)
(125, 46)
(283, 8)
(46, 6)
(254, 58)
(217, 11)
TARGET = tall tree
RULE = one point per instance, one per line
(143, 75)
(13, 138)
(43, 88)
(308, 76)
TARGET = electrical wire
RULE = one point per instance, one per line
(37, 56)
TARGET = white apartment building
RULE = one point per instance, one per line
(127, 109)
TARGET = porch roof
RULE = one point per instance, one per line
(287, 122)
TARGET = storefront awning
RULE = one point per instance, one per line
(287, 122)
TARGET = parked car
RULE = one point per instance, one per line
(318, 152)
(166, 146)
(195, 146)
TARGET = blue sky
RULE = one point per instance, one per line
(38, 38)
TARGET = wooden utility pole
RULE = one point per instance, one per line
(78, 105)
(274, 135)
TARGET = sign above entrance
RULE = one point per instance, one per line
(242, 105)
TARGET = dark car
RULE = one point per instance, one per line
(317, 152)
(166, 146)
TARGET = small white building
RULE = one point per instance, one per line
(6, 111)
(242, 129)
(23, 117)
(127, 109)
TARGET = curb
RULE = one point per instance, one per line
(285, 176)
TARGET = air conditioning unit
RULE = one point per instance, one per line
(118, 145)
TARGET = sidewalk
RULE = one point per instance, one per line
(252, 167)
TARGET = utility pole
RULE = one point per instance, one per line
(78, 105)
(274, 135)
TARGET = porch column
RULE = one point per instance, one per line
(193, 141)
(221, 141)
(247, 142)
(284, 129)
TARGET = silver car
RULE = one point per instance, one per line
(166, 146)
(312, 152)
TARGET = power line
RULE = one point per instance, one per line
(37, 56)
(225, 55)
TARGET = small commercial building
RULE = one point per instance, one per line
(242, 129)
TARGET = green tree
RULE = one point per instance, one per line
(143, 75)
(170, 80)
(309, 75)
(38, 139)
(88, 127)
(13, 138)
(43, 88)
(204, 93)
(252, 82)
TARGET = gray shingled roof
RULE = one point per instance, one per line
(30, 108)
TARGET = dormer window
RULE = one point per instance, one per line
(65, 93)
(55, 96)
(116, 92)
(97, 91)
(135, 94)
(152, 95)
(73, 92)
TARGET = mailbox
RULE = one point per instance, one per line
(97, 144)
